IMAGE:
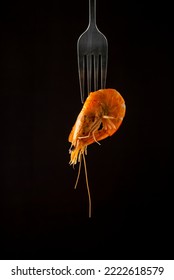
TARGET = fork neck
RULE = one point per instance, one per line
(92, 12)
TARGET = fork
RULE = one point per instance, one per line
(92, 56)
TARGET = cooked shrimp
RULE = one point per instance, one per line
(100, 117)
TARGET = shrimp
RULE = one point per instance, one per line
(100, 117)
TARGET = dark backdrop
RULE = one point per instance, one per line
(42, 216)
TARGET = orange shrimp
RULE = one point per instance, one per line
(100, 117)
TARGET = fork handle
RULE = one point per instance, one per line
(92, 12)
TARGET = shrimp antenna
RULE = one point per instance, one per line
(87, 184)
(78, 175)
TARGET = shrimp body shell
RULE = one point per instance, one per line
(100, 117)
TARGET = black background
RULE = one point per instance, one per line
(42, 216)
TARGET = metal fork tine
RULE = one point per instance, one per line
(96, 70)
(103, 70)
(81, 67)
(89, 72)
